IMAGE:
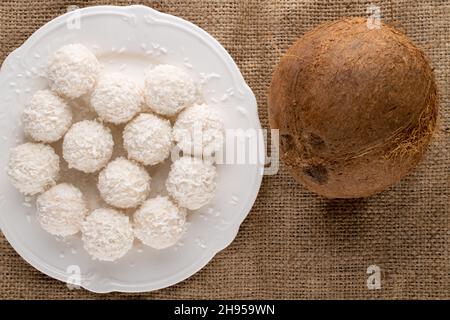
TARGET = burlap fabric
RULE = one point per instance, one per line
(295, 244)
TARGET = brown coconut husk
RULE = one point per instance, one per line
(390, 129)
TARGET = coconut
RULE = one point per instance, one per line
(355, 107)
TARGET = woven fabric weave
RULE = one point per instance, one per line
(294, 244)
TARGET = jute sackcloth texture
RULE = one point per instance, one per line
(295, 244)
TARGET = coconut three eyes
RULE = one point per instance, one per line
(355, 107)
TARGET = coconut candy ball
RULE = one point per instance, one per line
(72, 71)
(61, 210)
(88, 146)
(199, 130)
(168, 90)
(107, 234)
(123, 183)
(159, 223)
(33, 167)
(116, 98)
(148, 139)
(191, 182)
(46, 117)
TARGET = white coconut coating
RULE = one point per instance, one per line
(116, 98)
(88, 146)
(61, 210)
(168, 89)
(46, 117)
(191, 182)
(33, 167)
(72, 71)
(107, 234)
(199, 130)
(123, 183)
(148, 139)
(159, 223)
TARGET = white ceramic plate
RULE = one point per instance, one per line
(128, 39)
